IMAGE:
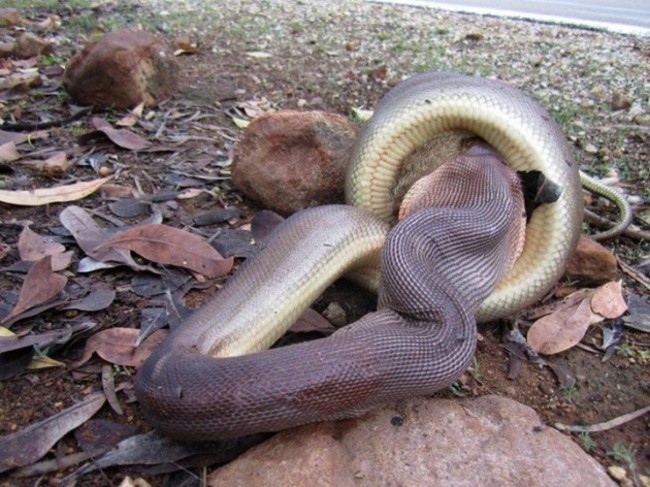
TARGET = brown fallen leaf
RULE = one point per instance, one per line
(108, 386)
(560, 331)
(608, 301)
(94, 301)
(122, 137)
(29, 444)
(184, 45)
(115, 345)
(31, 78)
(169, 245)
(8, 152)
(33, 247)
(57, 194)
(88, 235)
(41, 285)
(56, 165)
(9, 341)
(555, 306)
(264, 223)
(311, 320)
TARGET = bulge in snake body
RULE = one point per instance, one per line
(408, 347)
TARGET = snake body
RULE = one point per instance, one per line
(442, 268)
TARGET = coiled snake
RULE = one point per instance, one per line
(443, 268)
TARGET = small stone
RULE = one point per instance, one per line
(616, 472)
(6, 49)
(30, 45)
(10, 17)
(620, 102)
(335, 314)
(590, 148)
(121, 70)
(591, 262)
(290, 160)
(597, 91)
(636, 110)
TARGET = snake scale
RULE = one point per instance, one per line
(443, 268)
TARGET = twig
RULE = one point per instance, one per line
(612, 423)
(15, 127)
(631, 231)
(634, 274)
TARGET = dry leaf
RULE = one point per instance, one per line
(88, 235)
(169, 245)
(258, 54)
(555, 306)
(8, 152)
(29, 444)
(57, 165)
(121, 137)
(240, 122)
(608, 300)
(40, 286)
(312, 320)
(561, 330)
(115, 345)
(33, 247)
(44, 363)
(9, 341)
(128, 120)
(18, 138)
(94, 301)
(58, 194)
(27, 79)
(53, 167)
(184, 45)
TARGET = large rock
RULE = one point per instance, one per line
(489, 440)
(592, 263)
(121, 70)
(290, 160)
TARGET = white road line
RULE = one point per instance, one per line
(555, 19)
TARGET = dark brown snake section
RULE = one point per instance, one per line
(438, 265)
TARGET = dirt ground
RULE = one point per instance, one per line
(308, 68)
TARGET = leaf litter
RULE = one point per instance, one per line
(206, 133)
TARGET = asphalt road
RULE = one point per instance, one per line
(628, 16)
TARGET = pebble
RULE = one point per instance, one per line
(335, 314)
(616, 472)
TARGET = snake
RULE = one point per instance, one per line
(438, 272)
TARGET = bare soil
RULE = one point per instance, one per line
(338, 56)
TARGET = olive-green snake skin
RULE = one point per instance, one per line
(442, 269)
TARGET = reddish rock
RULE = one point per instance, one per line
(484, 441)
(10, 17)
(30, 45)
(592, 263)
(6, 49)
(290, 160)
(121, 70)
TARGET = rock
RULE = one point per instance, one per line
(6, 49)
(617, 472)
(290, 160)
(10, 17)
(593, 263)
(620, 102)
(489, 439)
(121, 70)
(335, 314)
(30, 45)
